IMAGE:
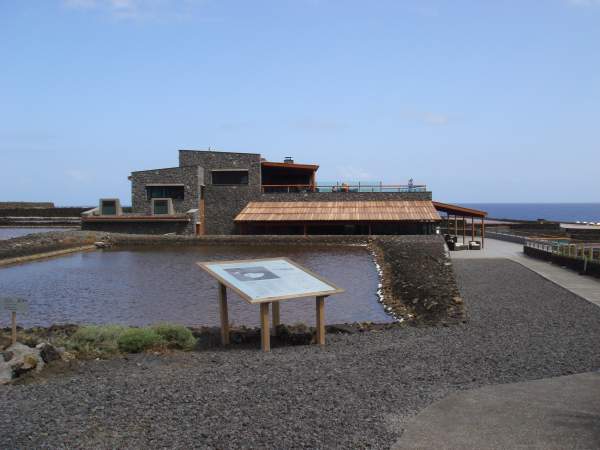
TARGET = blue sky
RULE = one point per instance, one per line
(484, 101)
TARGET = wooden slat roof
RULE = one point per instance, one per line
(372, 211)
(459, 210)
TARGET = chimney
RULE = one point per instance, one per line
(288, 160)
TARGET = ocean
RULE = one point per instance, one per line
(563, 212)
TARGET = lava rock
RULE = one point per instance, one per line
(48, 352)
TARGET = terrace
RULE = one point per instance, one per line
(342, 187)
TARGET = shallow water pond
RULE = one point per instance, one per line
(149, 285)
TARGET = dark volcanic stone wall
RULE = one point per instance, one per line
(140, 227)
(224, 202)
(419, 279)
(191, 177)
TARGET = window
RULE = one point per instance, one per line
(174, 192)
(108, 208)
(229, 177)
(162, 206)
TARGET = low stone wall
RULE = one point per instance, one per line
(506, 237)
(418, 279)
(143, 228)
(43, 212)
(147, 240)
(14, 205)
(591, 268)
(40, 243)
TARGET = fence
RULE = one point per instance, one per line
(584, 258)
(343, 187)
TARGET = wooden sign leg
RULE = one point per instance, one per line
(321, 320)
(276, 316)
(13, 317)
(224, 314)
(264, 324)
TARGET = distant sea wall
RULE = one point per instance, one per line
(26, 205)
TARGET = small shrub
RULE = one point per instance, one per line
(136, 340)
(96, 340)
(176, 336)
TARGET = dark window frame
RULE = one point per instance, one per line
(231, 177)
(174, 192)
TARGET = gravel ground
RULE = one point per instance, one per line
(355, 393)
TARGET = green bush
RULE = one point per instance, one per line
(176, 336)
(136, 340)
(96, 340)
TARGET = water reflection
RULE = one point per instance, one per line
(142, 286)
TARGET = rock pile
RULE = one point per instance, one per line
(19, 359)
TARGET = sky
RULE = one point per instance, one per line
(482, 100)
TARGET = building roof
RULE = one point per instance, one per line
(348, 211)
(459, 210)
(311, 167)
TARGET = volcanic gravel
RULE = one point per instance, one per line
(354, 393)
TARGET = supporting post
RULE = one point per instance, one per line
(482, 233)
(472, 228)
(455, 225)
(464, 228)
(276, 316)
(264, 325)
(13, 319)
(224, 314)
(321, 320)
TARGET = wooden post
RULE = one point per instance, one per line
(224, 314)
(13, 319)
(464, 228)
(482, 233)
(472, 228)
(321, 320)
(276, 317)
(264, 324)
(455, 225)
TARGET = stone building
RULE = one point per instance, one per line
(219, 193)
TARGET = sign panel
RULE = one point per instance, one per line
(262, 280)
(14, 304)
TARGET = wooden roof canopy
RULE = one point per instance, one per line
(459, 210)
(284, 165)
(347, 211)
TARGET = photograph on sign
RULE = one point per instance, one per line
(260, 280)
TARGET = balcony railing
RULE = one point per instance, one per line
(342, 187)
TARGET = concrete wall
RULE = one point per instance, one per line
(191, 177)
(224, 202)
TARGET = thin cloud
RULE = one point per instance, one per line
(351, 173)
(584, 3)
(428, 118)
(137, 9)
(318, 125)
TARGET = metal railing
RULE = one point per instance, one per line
(589, 251)
(342, 187)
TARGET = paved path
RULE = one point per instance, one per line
(555, 413)
(586, 287)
